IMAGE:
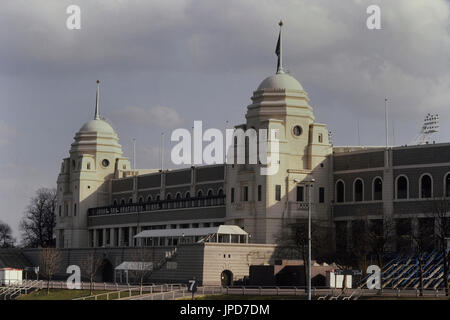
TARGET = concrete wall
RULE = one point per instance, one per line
(205, 262)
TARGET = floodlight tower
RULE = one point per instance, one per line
(429, 128)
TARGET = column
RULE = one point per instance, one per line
(130, 237)
(94, 235)
(120, 237)
(105, 243)
(388, 196)
(111, 237)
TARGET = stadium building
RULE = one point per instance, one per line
(214, 221)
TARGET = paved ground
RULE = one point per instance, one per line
(327, 293)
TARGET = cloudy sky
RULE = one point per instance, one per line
(163, 64)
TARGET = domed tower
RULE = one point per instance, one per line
(84, 179)
(266, 205)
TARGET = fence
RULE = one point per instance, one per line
(133, 291)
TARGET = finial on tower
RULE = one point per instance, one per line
(97, 116)
(278, 51)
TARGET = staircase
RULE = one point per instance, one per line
(402, 272)
(168, 256)
(13, 291)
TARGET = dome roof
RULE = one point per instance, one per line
(97, 125)
(280, 81)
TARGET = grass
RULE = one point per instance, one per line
(257, 297)
(242, 297)
(57, 294)
(402, 298)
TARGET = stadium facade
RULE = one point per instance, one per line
(105, 205)
(103, 202)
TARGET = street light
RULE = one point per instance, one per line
(308, 183)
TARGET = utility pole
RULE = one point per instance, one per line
(162, 151)
(309, 237)
(309, 185)
(134, 154)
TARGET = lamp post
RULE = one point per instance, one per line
(309, 185)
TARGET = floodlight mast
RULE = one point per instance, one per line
(309, 185)
(429, 128)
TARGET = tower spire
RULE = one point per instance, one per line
(97, 116)
(278, 51)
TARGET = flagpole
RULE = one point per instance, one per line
(278, 50)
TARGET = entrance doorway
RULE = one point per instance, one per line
(107, 271)
(226, 278)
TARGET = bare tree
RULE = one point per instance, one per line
(49, 263)
(381, 235)
(441, 213)
(38, 224)
(361, 246)
(371, 237)
(422, 242)
(6, 238)
(144, 265)
(90, 267)
(298, 238)
(343, 257)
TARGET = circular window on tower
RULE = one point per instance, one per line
(105, 163)
(297, 131)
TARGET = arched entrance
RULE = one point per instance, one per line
(107, 271)
(226, 278)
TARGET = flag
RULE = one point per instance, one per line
(277, 50)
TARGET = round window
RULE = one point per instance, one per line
(297, 130)
(105, 162)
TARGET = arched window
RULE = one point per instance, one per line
(426, 188)
(200, 195)
(158, 198)
(358, 189)
(447, 185)
(178, 203)
(115, 202)
(377, 189)
(122, 202)
(141, 200)
(210, 195)
(88, 166)
(187, 196)
(320, 138)
(402, 187)
(247, 150)
(168, 198)
(149, 198)
(340, 189)
(221, 198)
(130, 200)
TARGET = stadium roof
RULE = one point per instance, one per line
(135, 265)
(223, 229)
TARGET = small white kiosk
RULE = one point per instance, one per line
(9, 276)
